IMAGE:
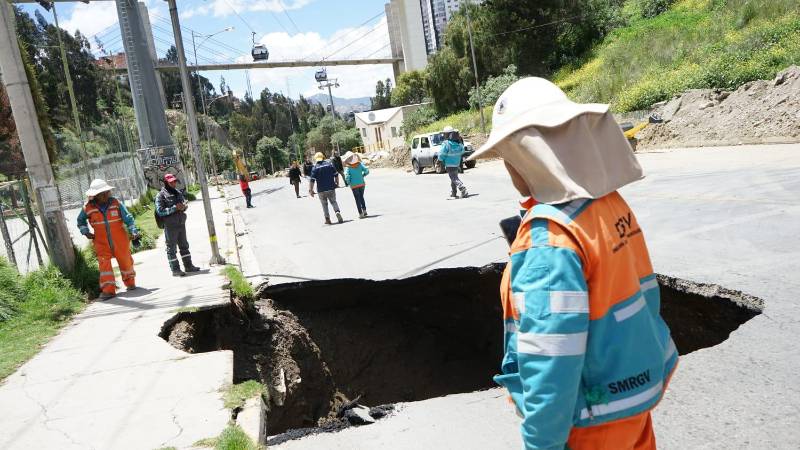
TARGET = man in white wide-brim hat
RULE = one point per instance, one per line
(587, 355)
(107, 222)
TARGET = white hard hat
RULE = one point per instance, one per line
(98, 186)
(448, 129)
(533, 102)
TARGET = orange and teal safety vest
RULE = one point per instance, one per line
(584, 341)
(106, 222)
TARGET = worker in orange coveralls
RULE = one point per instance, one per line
(104, 220)
(587, 354)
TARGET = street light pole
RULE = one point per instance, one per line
(194, 135)
(475, 71)
(203, 94)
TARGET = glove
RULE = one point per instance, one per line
(136, 240)
(89, 236)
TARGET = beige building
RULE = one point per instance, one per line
(382, 129)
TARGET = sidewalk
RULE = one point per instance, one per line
(108, 381)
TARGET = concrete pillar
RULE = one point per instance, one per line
(157, 151)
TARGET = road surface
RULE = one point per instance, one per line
(724, 215)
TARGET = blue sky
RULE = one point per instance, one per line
(291, 29)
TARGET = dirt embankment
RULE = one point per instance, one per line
(764, 111)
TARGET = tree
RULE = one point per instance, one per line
(493, 88)
(449, 81)
(383, 95)
(271, 154)
(346, 140)
(410, 88)
(173, 88)
(12, 162)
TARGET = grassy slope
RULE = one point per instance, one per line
(46, 302)
(696, 44)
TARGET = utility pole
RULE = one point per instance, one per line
(72, 101)
(475, 71)
(59, 243)
(194, 135)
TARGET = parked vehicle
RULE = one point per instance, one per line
(425, 152)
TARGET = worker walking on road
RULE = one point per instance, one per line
(450, 155)
(354, 173)
(171, 207)
(104, 220)
(294, 178)
(245, 186)
(587, 354)
(327, 180)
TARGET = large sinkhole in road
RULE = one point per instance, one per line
(390, 341)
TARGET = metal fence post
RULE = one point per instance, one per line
(33, 227)
(6, 236)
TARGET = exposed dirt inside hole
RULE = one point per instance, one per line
(399, 340)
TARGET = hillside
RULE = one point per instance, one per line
(695, 44)
(343, 105)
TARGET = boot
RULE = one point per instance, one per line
(188, 266)
(464, 193)
(339, 217)
(176, 269)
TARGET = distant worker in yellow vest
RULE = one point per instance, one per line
(587, 354)
(107, 222)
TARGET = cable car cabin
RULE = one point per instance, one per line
(321, 75)
(260, 53)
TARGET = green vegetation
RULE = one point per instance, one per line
(238, 394)
(234, 438)
(629, 53)
(466, 122)
(231, 438)
(239, 285)
(86, 272)
(189, 309)
(33, 308)
(142, 211)
(693, 44)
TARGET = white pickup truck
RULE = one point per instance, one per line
(425, 152)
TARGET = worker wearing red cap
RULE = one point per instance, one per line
(107, 222)
(171, 207)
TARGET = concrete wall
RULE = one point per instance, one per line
(407, 17)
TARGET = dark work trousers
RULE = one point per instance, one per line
(248, 196)
(455, 182)
(176, 237)
(358, 193)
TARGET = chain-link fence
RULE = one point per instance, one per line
(24, 244)
(121, 170)
(20, 223)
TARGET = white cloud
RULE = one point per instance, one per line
(347, 43)
(91, 18)
(97, 17)
(223, 8)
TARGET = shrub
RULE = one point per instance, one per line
(493, 88)
(421, 117)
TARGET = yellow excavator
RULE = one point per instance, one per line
(630, 130)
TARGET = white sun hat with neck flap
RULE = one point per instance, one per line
(98, 186)
(564, 150)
